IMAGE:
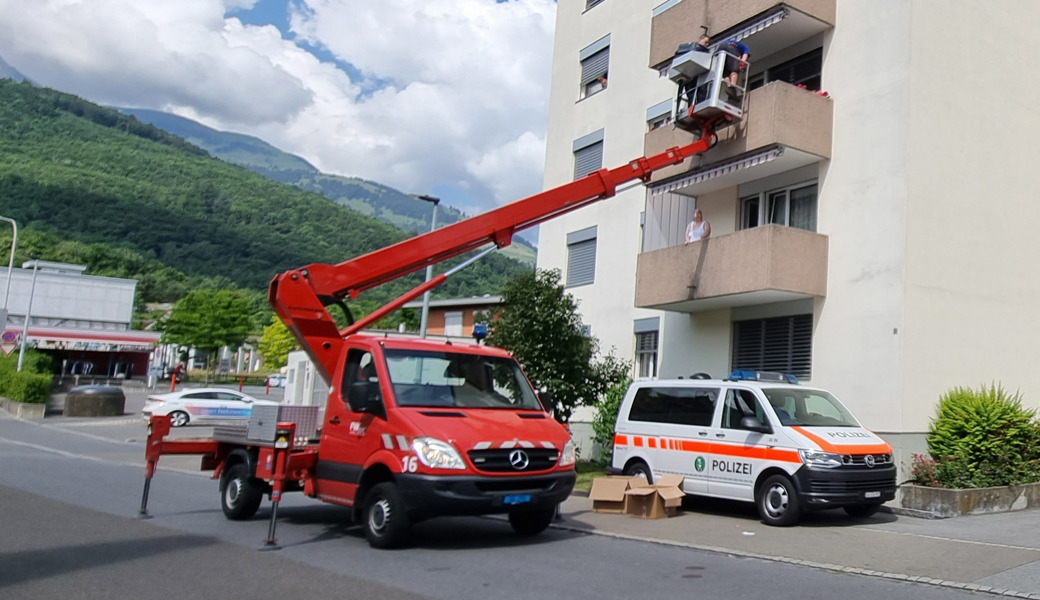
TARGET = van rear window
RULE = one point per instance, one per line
(679, 406)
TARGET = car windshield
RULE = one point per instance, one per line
(425, 378)
(812, 408)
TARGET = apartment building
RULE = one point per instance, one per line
(877, 241)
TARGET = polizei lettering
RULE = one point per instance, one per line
(730, 466)
(848, 434)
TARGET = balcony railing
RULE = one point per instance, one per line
(777, 114)
(765, 25)
(754, 266)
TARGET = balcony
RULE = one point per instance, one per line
(803, 132)
(765, 25)
(749, 267)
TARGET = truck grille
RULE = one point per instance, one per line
(861, 460)
(824, 486)
(501, 460)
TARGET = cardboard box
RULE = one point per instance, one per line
(608, 493)
(657, 501)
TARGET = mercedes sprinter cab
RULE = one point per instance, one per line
(755, 436)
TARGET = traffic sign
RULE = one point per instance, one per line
(7, 348)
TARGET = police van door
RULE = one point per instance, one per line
(737, 455)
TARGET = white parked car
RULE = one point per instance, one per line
(276, 380)
(202, 404)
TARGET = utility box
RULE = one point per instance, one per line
(689, 65)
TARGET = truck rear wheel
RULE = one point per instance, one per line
(532, 522)
(240, 494)
(386, 524)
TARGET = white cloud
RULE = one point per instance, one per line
(462, 102)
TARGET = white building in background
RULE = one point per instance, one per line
(83, 321)
(879, 242)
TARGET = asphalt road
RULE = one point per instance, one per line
(68, 520)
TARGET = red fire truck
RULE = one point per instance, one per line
(412, 428)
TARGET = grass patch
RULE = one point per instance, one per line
(587, 471)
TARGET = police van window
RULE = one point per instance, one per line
(813, 408)
(740, 404)
(679, 406)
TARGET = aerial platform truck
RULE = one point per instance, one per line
(411, 428)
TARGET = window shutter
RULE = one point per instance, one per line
(581, 263)
(588, 159)
(590, 3)
(594, 66)
(781, 344)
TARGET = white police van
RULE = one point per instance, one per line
(755, 436)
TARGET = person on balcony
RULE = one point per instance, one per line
(698, 229)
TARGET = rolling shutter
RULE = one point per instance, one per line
(782, 344)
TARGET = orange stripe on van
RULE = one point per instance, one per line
(851, 449)
(620, 440)
(652, 442)
(637, 442)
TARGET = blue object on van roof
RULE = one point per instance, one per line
(749, 375)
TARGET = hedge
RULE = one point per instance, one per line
(22, 386)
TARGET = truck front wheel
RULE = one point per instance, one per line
(386, 524)
(532, 522)
(240, 494)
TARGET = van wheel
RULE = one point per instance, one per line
(386, 524)
(531, 522)
(639, 469)
(862, 511)
(777, 502)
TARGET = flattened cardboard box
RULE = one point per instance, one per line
(657, 501)
(608, 493)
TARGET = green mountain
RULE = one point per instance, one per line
(366, 197)
(129, 199)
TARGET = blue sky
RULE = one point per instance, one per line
(409, 94)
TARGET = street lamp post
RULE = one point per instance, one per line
(10, 269)
(28, 311)
(429, 268)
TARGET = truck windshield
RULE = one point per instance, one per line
(425, 378)
(812, 408)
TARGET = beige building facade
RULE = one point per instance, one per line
(878, 241)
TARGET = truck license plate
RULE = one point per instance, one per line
(517, 499)
(872, 495)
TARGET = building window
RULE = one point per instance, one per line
(590, 3)
(595, 62)
(646, 355)
(453, 324)
(792, 206)
(588, 154)
(581, 257)
(802, 70)
(782, 344)
(659, 115)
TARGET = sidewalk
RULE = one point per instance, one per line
(996, 553)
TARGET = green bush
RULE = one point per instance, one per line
(23, 386)
(981, 438)
(606, 417)
(32, 384)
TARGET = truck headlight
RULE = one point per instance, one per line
(816, 458)
(569, 454)
(437, 454)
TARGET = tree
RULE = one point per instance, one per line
(540, 324)
(209, 319)
(276, 343)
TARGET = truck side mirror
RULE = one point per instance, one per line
(753, 424)
(546, 398)
(363, 396)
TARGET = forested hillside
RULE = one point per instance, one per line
(108, 186)
(366, 197)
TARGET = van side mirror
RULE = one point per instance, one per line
(548, 403)
(753, 424)
(363, 396)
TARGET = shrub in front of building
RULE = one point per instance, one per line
(980, 438)
(32, 384)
